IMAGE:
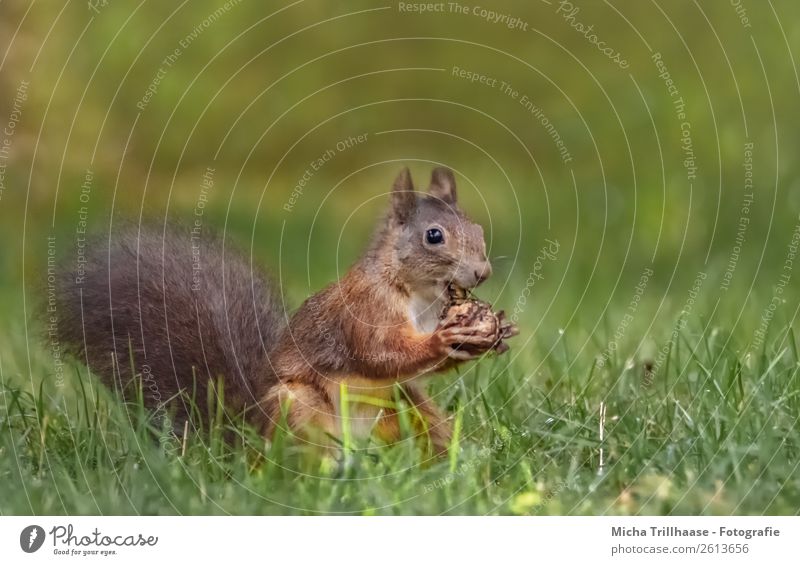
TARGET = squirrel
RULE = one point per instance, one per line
(181, 312)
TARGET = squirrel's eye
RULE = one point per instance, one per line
(434, 236)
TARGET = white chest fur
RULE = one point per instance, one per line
(424, 310)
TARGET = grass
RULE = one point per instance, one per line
(711, 429)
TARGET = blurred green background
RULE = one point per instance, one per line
(148, 97)
(673, 154)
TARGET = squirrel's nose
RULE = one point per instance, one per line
(483, 273)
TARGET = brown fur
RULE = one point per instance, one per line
(359, 331)
(135, 307)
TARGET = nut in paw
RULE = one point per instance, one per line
(466, 311)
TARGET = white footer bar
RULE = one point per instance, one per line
(401, 540)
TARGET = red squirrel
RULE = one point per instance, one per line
(143, 309)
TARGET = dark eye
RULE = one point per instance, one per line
(434, 236)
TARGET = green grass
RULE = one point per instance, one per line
(713, 431)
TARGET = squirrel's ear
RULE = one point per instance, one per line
(443, 185)
(404, 199)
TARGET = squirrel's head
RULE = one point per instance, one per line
(435, 243)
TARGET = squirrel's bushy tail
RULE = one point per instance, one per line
(177, 310)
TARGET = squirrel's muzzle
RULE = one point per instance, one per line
(483, 272)
(471, 275)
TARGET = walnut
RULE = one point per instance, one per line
(467, 311)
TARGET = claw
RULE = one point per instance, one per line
(477, 341)
(459, 332)
(509, 330)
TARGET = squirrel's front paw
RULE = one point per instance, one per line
(466, 343)
(472, 329)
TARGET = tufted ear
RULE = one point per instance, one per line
(404, 199)
(443, 185)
